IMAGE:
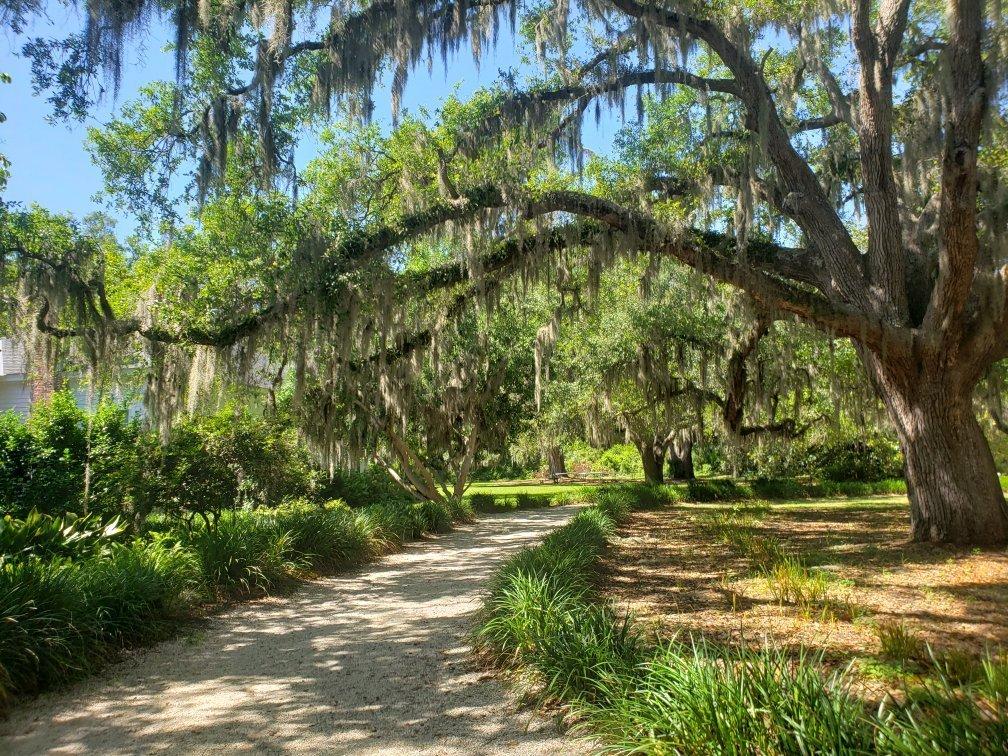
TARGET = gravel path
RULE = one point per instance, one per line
(369, 662)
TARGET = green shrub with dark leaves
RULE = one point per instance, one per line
(870, 459)
(47, 537)
(60, 618)
(43, 458)
(362, 488)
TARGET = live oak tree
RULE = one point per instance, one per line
(850, 160)
(665, 366)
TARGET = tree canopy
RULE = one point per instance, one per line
(837, 163)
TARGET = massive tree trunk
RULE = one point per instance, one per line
(653, 458)
(680, 463)
(953, 486)
(556, 463)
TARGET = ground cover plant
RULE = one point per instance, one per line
(73, 593)
(547, 622)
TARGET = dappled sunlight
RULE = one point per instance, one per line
(370, 661)
(667, 569)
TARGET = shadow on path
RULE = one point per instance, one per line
(374, 661)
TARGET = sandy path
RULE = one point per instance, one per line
(364, 663)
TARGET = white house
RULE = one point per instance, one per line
(15, 386)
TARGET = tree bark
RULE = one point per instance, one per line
(953, 486)
(653, 459)
(680, 462)
(556, 464)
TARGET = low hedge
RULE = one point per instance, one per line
(66, 611)
(545, 624)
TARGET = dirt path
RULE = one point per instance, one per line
(364, 663)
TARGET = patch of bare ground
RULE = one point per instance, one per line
(674, 574)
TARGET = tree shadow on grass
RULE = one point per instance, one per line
(673, 571)
(376, 661)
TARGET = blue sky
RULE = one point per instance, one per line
(51, 167)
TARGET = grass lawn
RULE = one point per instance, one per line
(515, 487)
(838, 576)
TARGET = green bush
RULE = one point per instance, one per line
(47, 537)
(246, 553)
(42, 460)
(229, 460)
(59, 618)
(873, 458)
(483, 502)
(359, 489)
(622, 459)
(718, 489)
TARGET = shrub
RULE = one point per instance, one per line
(718, 489)
(483, 502)
(780, 488)
(622, 459)
(873, 458)
(542, 617)
(937, 717)
(60, 618)
(327, 536)
(136, 593)
(585, 652)
(359, 489)
(47, 537)
(42, 460)
(229, 460)
(529, 501)
(245, 553)
(44, 632)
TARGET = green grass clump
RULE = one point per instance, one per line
(461, 510)
(327, 537)
(59, 618)
(246, 553)
(543, 620)
(432, 517)
(939, 717)
(389, 524)
(791, 582)
(703, 699)
(737, 530)
(899, 643)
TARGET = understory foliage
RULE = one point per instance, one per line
(64, 458)
(76, 595)
(544, 623)
(112, 537)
